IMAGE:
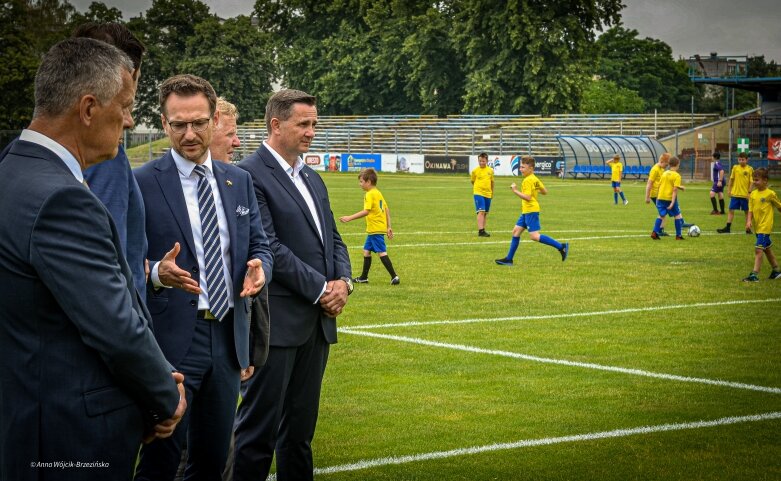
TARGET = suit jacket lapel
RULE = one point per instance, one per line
(171, 187)
(287, 183)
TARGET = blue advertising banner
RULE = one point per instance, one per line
(358, 162)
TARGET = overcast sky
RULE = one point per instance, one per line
(729, 27)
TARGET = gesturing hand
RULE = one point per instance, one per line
(172, 275)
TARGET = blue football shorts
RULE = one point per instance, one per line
(529, 221)
(482, 204)
(375, 243)
(763, 241)
(738, 203)
(664, 208)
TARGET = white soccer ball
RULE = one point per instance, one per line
(694, 231)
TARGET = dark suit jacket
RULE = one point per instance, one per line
(113, 183)
(173, 310)
(81, 373)
(302, 262)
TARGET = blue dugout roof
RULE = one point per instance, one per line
(596, 149)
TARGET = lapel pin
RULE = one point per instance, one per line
(228, 183)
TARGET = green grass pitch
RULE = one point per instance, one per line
(634, 359)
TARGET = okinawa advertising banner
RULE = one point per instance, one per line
(446, 164)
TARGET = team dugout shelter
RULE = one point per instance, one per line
(584, 156)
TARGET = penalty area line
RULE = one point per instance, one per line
(616, 433)
(564, 362)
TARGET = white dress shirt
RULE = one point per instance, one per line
(294, 174)
(189, 180)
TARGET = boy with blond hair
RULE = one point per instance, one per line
(616, 172)
(667, 200)
(760, 212)
(378, 223)
(652, 186)
(530, 214)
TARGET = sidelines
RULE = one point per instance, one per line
(559, 316)
(617, 433)
(564, 362)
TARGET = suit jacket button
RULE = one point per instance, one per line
(195, 269)
(193, 303)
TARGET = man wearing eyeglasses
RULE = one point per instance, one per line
(207, 210)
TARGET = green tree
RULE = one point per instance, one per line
(97, 12)
(165, 30)
(27, 30)
(605, 97)
(237, 60)
(645, 66)
(527, 56)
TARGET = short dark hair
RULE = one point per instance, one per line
(674, 161)
(483, 155)
(76, 67)
(368, 175)
(761, 173)
(280, 105)
(188, 85)
(528, 160)
(115, 34)
(743, 155)
(716, 155)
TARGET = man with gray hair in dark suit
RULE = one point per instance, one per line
(81, 376)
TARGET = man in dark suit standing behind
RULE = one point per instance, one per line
(311, 283)
(81, 376)
(207, 210)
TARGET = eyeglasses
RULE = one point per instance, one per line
(198, 125)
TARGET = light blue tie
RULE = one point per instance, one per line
(212, 250)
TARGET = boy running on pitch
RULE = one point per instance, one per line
(760, 211)
(530, 214)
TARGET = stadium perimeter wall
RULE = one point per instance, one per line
(503, 165)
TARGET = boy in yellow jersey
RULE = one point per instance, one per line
(667, 199)
(616, 172)
(739, 189)
(760, 211)
(652, 186)
(378, 223)
(530, 214)
(483, 189)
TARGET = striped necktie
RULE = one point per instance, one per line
(212, 251)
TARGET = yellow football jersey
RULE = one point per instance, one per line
(616, 169)
(374, 202)
(761, 204)
(740, 180)
(483, 179)
(530, 186)
(670, 180)
(655, 176)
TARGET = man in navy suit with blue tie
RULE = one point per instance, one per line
(280, 403)
(81, 376)
(199, 291)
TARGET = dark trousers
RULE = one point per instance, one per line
(211, 381)
(278, 413)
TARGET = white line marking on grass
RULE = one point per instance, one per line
(616, 433)
(564, 362)
(559, 316)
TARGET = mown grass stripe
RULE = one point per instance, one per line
(616, 433)
(564, 362)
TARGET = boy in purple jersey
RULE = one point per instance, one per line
(717, 176)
